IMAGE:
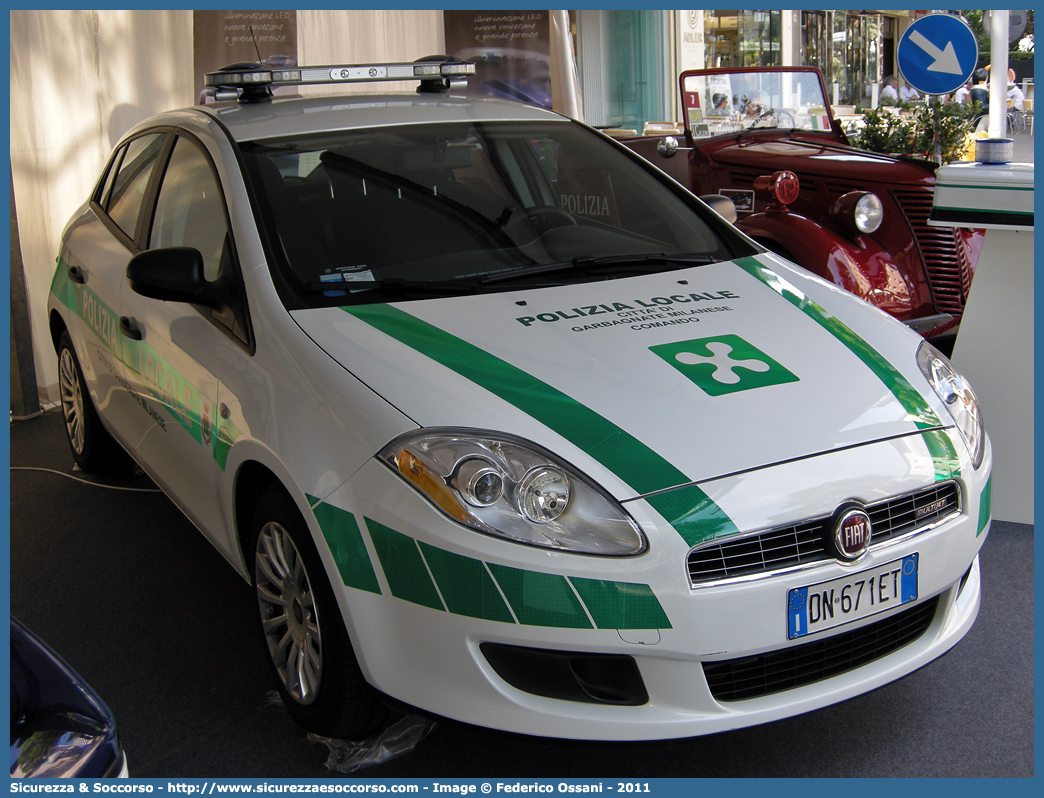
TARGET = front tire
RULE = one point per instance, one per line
(305, 639)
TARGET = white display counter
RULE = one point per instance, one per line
(994, 348)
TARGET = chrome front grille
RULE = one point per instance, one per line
(799, 545)
(942, 251)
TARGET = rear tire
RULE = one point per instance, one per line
(93, 448)
(304, 636)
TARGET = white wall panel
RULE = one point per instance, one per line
(79, 79)
(363, 37)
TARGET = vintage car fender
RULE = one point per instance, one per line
(861, 267)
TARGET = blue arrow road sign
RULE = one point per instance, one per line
(937, 53)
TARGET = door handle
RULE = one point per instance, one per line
(77, 275)
(130, 328)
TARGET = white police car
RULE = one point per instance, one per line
(505, 425)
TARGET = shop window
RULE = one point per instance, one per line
(855, 62)
(815, 39)
(635, 95)
(743, 38)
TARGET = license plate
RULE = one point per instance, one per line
(850, 598)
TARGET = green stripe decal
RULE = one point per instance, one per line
(224, 435)
(181, 399)
(985, 506)
(982, 187)
(466, 586)
(983, 211)
(175, 394)
(621, 605)
(540, 599)
(627, 457)
(693, 514)
(944, 455)
(61, 286)
(102, 320)
(346, 545)
(921, 414)
(403, 566)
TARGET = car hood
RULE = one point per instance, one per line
(663, 379)
(815, 156)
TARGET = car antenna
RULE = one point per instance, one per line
(257, 50)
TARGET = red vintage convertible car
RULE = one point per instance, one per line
(859, 218)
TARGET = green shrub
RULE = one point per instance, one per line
(912, 133)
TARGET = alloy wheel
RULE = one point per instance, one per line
(288, 613)
(72, 400)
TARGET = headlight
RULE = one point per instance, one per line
(958, 397)
(868, 213)
(502, 486)
(858, 212)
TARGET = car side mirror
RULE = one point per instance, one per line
(172, 274)
(721, 205)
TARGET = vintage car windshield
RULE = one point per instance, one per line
(448, 208)
(729, 102)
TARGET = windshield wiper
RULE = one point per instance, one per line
(591, 264)
(599, 263)
(395, 286)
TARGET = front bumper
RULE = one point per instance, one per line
(436, 599)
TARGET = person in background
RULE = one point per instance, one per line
(719, 105)
(751, 107)
(980, 92)
(909, 94)
(889, 96)
(1015, 94)
(963, 94)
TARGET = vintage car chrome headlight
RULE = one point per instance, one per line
(958, 397)
(503, 486)
(868, 213)
(859, 212)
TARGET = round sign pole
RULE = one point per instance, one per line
(936, 144)
(998, 76)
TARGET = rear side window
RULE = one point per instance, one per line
(123, 198)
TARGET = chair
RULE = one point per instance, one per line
(662, 129)
(981, 96)
(619, 132)
(1016, 118)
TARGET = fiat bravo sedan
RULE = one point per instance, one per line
(502, 424)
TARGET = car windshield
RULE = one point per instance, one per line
(442, 209)
(718, 103)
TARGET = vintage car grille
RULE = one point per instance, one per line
(775, 550)
(942, 251)
(795, 666)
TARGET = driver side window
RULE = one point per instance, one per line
(190, 211)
